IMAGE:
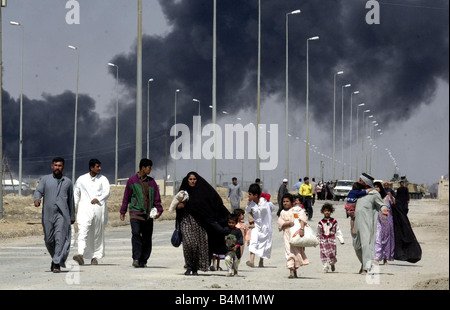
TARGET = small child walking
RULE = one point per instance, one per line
(327, 232)
(295, 256)
(243, 226)
(233, 242)
(261, 208)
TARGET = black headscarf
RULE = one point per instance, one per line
(380, 186)
(207, 208)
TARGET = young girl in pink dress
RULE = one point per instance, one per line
(295, 256)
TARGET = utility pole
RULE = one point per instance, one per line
(139, 88)
(3, 4)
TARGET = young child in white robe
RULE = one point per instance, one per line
(261, 208)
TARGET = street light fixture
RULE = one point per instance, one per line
(307, 100)
(342, 125)
(287, 88)
(21, 110)
(198, 101)
(116, 165)
(334, 125)
(76, 115)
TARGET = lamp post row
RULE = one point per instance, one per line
(287, 103)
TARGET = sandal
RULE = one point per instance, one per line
(250, 264)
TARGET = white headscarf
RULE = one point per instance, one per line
(367, 179)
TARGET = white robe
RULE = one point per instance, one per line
(261, 235)
(91, 218)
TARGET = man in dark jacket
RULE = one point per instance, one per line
(141, 195)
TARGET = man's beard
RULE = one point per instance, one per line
(57, 174)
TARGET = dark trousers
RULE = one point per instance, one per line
(308, 206)
(141, 239)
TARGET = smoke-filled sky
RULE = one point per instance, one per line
(399, 66)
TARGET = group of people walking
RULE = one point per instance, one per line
(85, 201)
(208, 228)
(380, 228)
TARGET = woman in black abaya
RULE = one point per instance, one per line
(202, 221)
(406, 246)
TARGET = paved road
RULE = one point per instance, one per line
(25, 264)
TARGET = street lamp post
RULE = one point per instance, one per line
(138, 155)
(197, 139)
(334, 125)
(357, 138)
(364, 135)
(287, 89)
(342, 125)
(307, 101)
(21, 110)
(116, 164)
(258, 91)
(76, 115)
(351, 125)
(3, 4)
(174, 144)
(214, 90)
(148, 117)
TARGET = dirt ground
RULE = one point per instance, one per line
(21, 218)
(429, 219)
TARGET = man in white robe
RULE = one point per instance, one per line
(90, 193)
(366, 215)
(261, 235)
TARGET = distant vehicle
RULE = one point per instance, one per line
(341, 189)
(416, 191)
(13, 187)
